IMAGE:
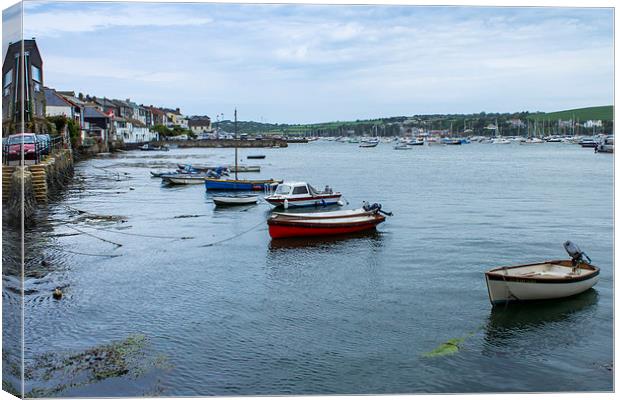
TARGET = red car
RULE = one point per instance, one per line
(14, 145)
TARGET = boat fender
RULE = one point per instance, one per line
(285, 204)
(323, 203)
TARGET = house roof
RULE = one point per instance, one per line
(54, 99)
(156, 110)
(199, 121)
(93, 112)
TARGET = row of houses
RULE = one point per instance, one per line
(110, 120)
(100, 120)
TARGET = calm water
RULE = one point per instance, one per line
(252, 316)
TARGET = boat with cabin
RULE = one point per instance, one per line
(301, 194)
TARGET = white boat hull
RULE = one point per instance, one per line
(185, 181)
(543, 281)
(316, 202)
(234, 201)
(501, 292)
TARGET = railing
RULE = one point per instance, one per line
(41, 149)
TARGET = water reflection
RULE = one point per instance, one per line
(508, 325)
(369, 239)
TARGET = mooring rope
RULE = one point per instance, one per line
(94, 236)
(90, 254)
(234, 236)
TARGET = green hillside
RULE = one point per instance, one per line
(604, 113)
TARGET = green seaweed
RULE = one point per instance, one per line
(449, 347)
(446, 348)
(122, 358)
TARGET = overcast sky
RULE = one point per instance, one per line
(304, 63)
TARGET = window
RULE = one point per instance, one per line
(6, 82)
(36, 74)
(283, 189)
(300, 190)
(36, 77)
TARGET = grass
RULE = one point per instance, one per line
(603, 113)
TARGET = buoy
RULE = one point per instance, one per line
(57, 294)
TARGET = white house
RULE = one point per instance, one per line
(593, 123)
(57, 105)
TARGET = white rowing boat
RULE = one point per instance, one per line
(541, 281)
(235, 200)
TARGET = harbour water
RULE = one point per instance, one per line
(224, 310)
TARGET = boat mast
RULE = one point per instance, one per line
(236, 166)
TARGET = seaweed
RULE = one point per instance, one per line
(123, 358)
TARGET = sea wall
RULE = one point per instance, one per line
(224, 143)
(39, 182)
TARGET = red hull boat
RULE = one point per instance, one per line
(338, 223)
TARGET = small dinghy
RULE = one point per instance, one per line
(256, 157)
(287, 225)
(402, 147)
(540, 281)
(184, 179)
(235, 200)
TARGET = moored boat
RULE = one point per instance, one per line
(235, 200)
(402, 147)
(239, 184)
(283, 225)
(256, 157)
(369, 144)
(545, 280)
(184, 179)
(301, 194)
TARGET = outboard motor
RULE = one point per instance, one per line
(575, 252)
(375, 207)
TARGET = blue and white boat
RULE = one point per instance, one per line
(239, 184)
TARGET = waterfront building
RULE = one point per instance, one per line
(56, 105)
(593, 123)
(200, 124)
(78, 109)
(23, 70)
(159, 116)
(97, 125)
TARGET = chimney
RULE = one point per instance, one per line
(178, 110)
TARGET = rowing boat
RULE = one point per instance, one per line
(235, 200)
(541, 281)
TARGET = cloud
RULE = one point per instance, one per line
(297, 63)
(11, 26)
(71, 18)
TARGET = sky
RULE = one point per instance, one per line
(289, 63)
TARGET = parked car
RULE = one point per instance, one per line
(45, 143)
(25, 143)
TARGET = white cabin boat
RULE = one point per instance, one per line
(301, 194)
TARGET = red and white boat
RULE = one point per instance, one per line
(286, 225)
(301, 194)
